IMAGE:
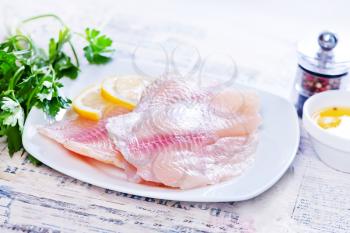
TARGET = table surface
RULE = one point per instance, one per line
(261, 36)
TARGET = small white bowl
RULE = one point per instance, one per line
(331, 149)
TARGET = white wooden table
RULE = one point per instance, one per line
(261, 36)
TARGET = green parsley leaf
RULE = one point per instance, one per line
(7, 63)
(7, 69)
(99, 49)
(14, 139)
(53, 106)
(12, 113)
(64, 67)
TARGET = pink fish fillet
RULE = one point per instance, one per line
(184, 136)
(87, 138)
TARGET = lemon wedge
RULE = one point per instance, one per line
(124, 91)
(90, 104)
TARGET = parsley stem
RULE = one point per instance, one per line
(34, 92)
(14, 79)
(80, 34)
(17, 38)
(74, 53)
(42, 16)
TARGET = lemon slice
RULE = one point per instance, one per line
(90, 104)
(124, 91)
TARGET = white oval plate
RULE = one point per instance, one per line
(278, 144)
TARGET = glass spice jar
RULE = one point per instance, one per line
(320, 68)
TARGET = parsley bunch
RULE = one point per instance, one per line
(30, 76)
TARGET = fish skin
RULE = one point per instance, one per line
(184, 136)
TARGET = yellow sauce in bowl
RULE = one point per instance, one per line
(335, 120)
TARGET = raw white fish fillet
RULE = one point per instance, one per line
(183, 136)
(87, 138)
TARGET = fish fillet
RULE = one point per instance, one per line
(184, 136)
(87, 138)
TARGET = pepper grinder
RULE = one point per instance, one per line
(321, 67)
